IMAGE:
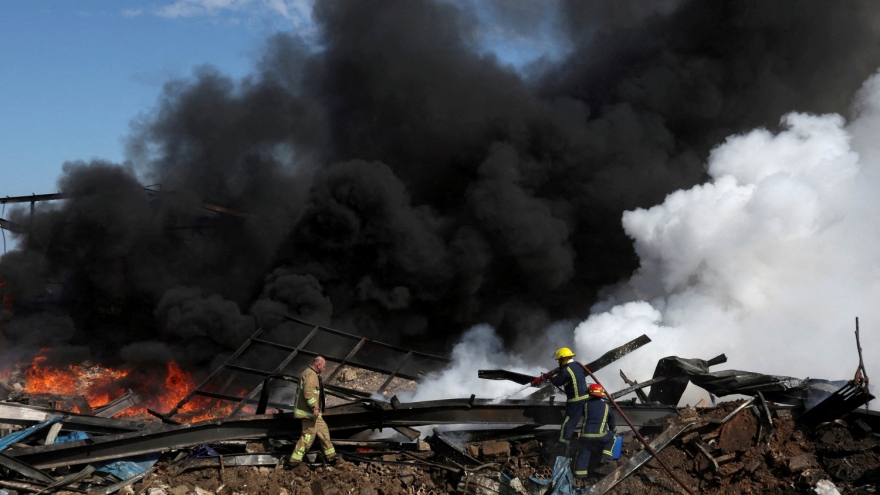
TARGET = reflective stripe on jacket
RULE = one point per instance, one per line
(309, 394)
(598, 420)
(573, 380)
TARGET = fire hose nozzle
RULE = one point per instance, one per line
(543, 377)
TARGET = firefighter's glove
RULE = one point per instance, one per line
(547, 376)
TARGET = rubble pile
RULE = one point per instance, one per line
(811, 436)
(723, 450)
(791, 459)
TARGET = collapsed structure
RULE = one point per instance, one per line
(499, 446)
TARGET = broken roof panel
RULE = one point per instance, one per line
(287, 348)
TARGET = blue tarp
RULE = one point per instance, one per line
(562, 482)
(130, 467)
(21, 435)
(122, 469)
(72, 437)
(204, 451)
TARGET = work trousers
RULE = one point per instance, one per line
(587, 446)
(574, 411)
(311, 428)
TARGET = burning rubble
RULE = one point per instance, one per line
(506, 446)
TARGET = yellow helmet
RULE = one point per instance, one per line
(562, 353)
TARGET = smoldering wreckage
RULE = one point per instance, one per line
(785, 435)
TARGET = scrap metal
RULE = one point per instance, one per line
(548, 390)
(449, 450)
(22, 415)
(343, 349)
(842, 401)
(70, 479)
(119, 404)
(639, 392)
(24, 469)
(349, 418)
(225, 460)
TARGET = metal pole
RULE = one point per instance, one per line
(639, 435)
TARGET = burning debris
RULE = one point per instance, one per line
(68, 445)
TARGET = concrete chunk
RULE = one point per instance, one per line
(496, 449)
(801, 462)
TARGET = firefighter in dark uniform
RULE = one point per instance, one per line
(598, 432)
(571, 377)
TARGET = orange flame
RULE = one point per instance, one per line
(98, 385)
(95, 383)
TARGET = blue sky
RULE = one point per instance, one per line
(75, 73)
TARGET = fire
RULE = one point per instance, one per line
(96, 383)
(99, 385)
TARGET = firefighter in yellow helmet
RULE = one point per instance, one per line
(571, 377)
(308, 407)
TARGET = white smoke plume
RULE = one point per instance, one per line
(769, 262)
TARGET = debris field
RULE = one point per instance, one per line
(781, 435)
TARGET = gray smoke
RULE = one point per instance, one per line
(401, 183)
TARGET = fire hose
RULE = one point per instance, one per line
(546, 376)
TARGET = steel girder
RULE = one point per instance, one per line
(367, 415)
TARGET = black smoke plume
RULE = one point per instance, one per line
(398, 182)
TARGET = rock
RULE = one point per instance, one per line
(324, 487)
(202, 491)
(254, 447)
(833, 433)
(159, 490)
(496, 449)
(407, 477)
(825, 487)
(423, 446)
(473, 451)
(801, 462)
(389, 457)
(529, 447)
(688, 413)
(861, 428)
(126, 490)
(738, 433)
(349, 375)
(179, 490)
(517, 486)
(753, 466)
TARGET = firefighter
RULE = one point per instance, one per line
(598, 431)
(308, 407)
(571, 377)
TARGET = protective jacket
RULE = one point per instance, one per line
(597, 435)
(309, 394)
(599, 419)
(573, 380)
